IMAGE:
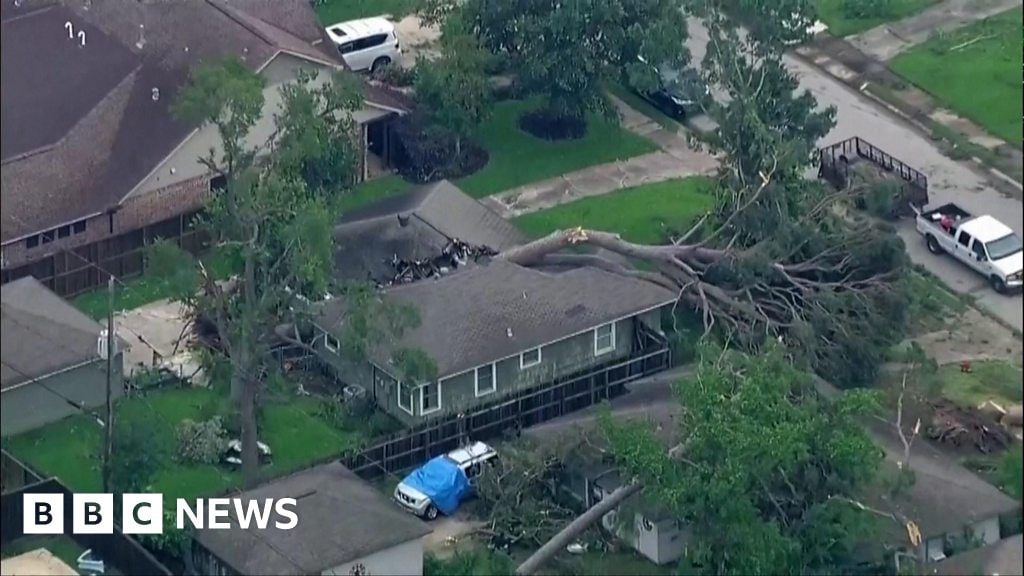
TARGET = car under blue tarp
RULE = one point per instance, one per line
(442, 481)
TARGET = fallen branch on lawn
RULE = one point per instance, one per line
(963, 45)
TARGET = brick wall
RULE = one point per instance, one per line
(136, 212)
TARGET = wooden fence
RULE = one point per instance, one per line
(118, 549)
(526, 408)
(73, 271)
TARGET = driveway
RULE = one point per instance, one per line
(950, 181)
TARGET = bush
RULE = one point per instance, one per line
(549, 125)
(136, 455)
(396, 76)
(427, 153)
(201, 442)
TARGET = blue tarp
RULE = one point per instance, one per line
(442, 481)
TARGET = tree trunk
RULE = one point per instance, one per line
(244, 375)
(575, 528)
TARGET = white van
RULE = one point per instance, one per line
(366, 44)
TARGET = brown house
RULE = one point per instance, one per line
(94, 164)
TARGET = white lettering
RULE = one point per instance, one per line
(195, 517)
(219, 511)
(247, 510)
(281, 507)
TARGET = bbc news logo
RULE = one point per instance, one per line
(143, 513)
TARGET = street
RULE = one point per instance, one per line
(949, 180)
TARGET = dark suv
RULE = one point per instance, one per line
(680, 93)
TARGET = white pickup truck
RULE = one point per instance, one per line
(983, 243)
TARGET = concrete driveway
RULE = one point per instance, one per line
(950, 181)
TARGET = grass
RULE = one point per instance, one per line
(70, 448)
(371, 191)
(641, 105)
(518, 158)
(980, 81)
(644, 214)
(831, 12)
(331, 11)
(996, 380)
(932, 306)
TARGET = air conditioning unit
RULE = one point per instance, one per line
(101, 345)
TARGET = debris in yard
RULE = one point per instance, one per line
(454, 255)
(959, 427)
(576, 548)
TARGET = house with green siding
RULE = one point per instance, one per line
(491, 327)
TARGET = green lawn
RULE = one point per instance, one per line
(70, 449)
(995, 380)
(831, 12)
(932, 305)
(518, 158)
(371, 191)
(644, 214)
(331, 11)
(982, 80)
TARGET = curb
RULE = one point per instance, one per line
(865, 89)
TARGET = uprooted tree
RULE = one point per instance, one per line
(781, 256)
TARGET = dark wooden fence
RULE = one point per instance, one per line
(14, 473)
(77, 270)
(118, 549)
(414, 446)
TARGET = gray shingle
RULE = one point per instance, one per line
(42, 333)
(341, 518)
(465, 317)
(368, 237)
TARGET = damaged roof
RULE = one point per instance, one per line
(341, 519)
(413, 226)
(84, 124)
(497, 309)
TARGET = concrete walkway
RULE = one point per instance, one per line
(678, 158)
(886, 41)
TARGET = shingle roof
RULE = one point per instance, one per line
(340, 519)
(368, 237)
(42, 333)
(94, 108)
(1002, 558)
(465, 317)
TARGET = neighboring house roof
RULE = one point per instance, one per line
(78, 138)
(341, 519)
(366, 239)
(42, 333)
(1000, 559)
(466, 318)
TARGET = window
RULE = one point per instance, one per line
(218, 183)
(964, 239)
(405, 395)
(331, 343)
(604, 339)
(430, 398)
(78, 227)
(32, 241)
(486, 382)
(347, 47)
(48, 236)
(979, 251)
(371, 41)
(64, 231)
(529, 358)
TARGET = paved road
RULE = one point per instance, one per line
(950, 181)
(886, 41)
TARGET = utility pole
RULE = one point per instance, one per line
(108, 430)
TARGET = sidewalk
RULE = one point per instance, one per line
(676, 159)
(962, 139)
(886, 41)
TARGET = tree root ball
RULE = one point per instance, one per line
(549, 125)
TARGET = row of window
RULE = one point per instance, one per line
(485, 377)
(54, 234)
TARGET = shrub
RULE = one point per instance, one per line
(201, 442)
(395, 75)
(136, 455)
(427, 153)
